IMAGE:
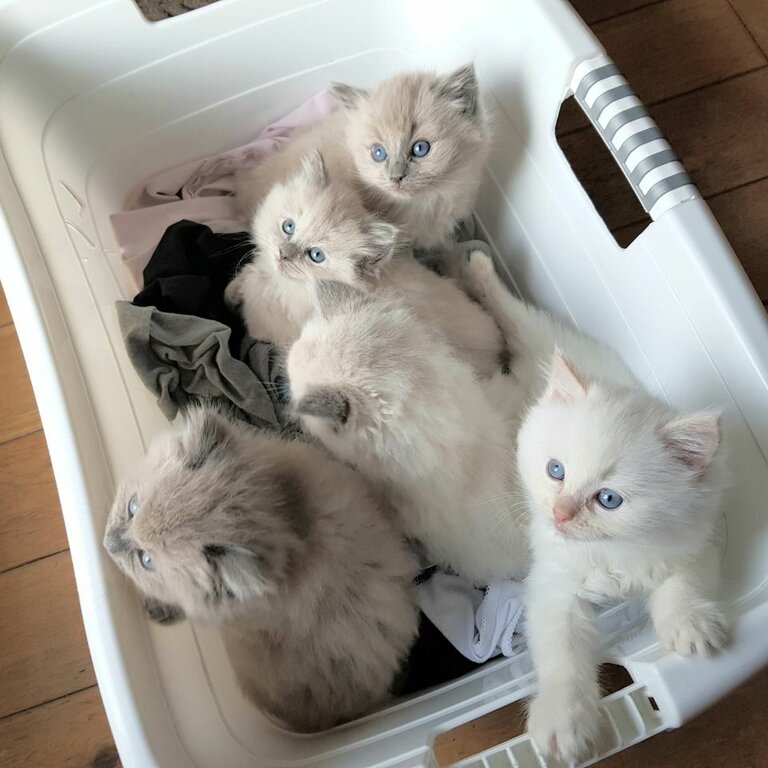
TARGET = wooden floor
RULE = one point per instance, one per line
(701, 66)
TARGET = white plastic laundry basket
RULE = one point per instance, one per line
(93, 99)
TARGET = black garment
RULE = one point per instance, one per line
(187, 345)
(432, 661)
(189, 271)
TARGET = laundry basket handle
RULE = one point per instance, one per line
(649, 163)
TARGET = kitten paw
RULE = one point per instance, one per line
(233, 296)
(701, 631)
(477, 272)
(479, 260)
(565, 724)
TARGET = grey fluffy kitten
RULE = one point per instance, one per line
(313, 227)
(283, 547)
(413, 146)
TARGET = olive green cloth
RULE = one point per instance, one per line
(183, 359)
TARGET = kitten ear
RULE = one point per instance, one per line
(162, 613)
(236, 573)
(325, 403)
(461, 89)
(332, 296)
(313, 169)
(207, 435)
(348, 95)
(566, 383)
(694, 439)
(384, 241)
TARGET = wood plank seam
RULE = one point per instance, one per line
(34, 560)
(745, 184)
(666, 99)
(747, 29)
(19, 437)
(48, 701)
(43, 649)
(595, 25)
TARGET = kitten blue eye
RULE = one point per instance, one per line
(607, 498)
(420, 148)
(316, 255)
(133, 505)
(145, 560)
(288, 226)
(555, 469)
(378, 153)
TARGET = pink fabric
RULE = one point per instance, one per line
(201, 190)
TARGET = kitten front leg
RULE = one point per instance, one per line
(233, 293)
(478, 277)
(687, 618)
(564, 717)
(476, 273)
(265, 323)
(264, 318)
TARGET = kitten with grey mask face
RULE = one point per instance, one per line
(386, 394)
(287, 550)
(623, 493)
(314, 228)
(413, 146)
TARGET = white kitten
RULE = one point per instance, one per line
(623, 495)
(414, 146)
(312, 228)
(386, 394)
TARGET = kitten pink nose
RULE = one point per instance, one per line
(564, 511)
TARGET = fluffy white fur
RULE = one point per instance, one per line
(426, 196)
(606, 432)
(275, 292)
(386, 394)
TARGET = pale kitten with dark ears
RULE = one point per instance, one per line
(623, 492)
(311, 228)
(419, 143)
(284, 548)
(413, 146)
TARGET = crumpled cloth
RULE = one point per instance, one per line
(201, 190)
(184, 359)
(480, 622)
(483, 622)
(189, 271)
